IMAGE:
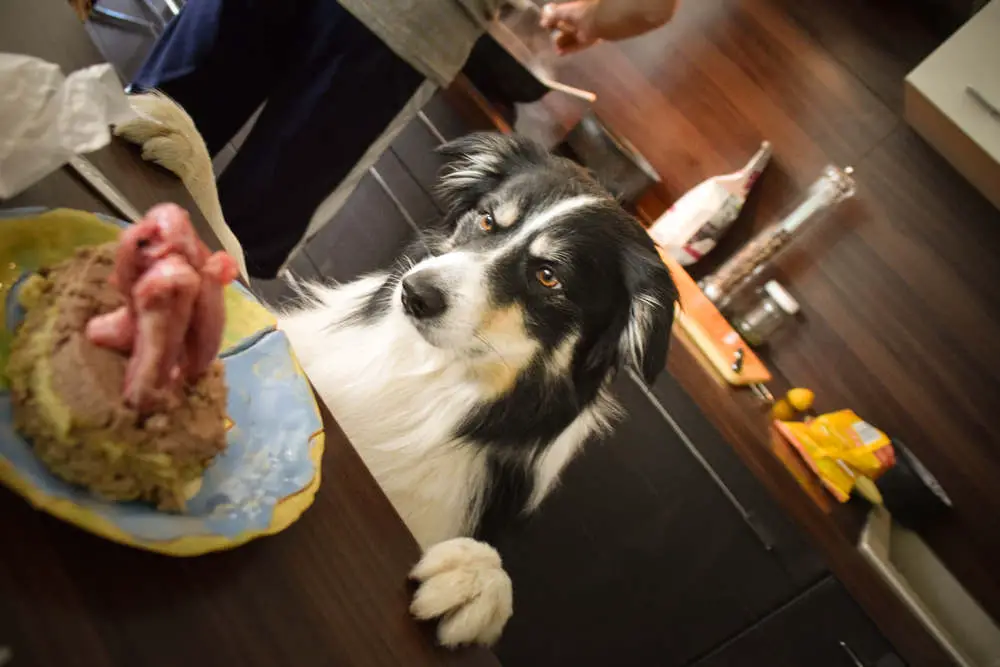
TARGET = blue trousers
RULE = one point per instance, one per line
(331, 88)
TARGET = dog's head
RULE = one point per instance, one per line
(541, 266)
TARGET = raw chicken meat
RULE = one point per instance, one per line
(174, 315)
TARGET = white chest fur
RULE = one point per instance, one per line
(399, 401)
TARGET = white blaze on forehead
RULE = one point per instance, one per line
(462, 275)
(449, 263)
(546, 217)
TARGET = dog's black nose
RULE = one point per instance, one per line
(421, 298)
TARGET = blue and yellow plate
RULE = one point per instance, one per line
(261, 484)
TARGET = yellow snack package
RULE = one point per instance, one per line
(844, 450)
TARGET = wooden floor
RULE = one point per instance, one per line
(900, 310)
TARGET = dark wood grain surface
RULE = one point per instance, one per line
(330, 590)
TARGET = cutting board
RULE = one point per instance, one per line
(705, 326)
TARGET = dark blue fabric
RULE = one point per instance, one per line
(331, 88)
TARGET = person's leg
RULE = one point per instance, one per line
(340, 90)
(220, 59)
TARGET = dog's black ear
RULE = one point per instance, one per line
(479, 162)
(641, 336)
(645, 341)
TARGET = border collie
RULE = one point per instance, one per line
(472, 372)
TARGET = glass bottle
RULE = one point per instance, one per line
(774, 309)
(834, 186)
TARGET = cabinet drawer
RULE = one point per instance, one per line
(637, 558)
(823, 627)
(800, 560)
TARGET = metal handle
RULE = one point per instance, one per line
(851, 654)
(988, 106)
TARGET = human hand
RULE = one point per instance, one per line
(578, 24)
(573, 25)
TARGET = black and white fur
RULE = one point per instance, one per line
(470, 374)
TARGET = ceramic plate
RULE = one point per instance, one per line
(268, 474)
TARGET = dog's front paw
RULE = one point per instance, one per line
(463, 583)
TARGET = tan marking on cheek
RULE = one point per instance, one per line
(497, 378)
(506, 323)
(513, 349)
(507, 213)
(562, 356)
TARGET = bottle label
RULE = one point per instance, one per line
(706, 237)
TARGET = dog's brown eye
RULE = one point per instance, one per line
(547, 277)
(487, 222)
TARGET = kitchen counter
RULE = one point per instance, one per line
(832, 528)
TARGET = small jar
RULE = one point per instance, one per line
(775, 308)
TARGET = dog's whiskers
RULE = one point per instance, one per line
(487, 343)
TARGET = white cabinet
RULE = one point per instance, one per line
(953, 100)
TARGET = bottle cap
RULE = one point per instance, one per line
(781, 297)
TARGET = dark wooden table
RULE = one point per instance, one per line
(330, 590)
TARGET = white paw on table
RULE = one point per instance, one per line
(463, 583)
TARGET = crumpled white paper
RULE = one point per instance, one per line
(47, 117)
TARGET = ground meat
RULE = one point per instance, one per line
(68, 399)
